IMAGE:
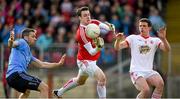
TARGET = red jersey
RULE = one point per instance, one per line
(82, 39)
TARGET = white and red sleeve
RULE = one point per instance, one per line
(129, 40)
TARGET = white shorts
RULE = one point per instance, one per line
(145, 74)
(87, 67)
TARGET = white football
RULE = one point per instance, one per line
(92, 30)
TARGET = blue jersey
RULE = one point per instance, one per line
(20, 58)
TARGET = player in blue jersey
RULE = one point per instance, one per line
(19, 60)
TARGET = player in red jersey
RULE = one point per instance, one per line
(88, 54)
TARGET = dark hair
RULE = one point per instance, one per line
(27, 31)
(147, 21)
(79, 10)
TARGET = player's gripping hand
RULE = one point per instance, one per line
(99, 42)
(119, 36)
(11, 38)
(111, 27)
(61, 62)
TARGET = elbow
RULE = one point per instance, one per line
(10, 46)
(10, 43)
(116, 47)
(167, 49)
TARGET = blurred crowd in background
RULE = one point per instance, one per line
(56, 20)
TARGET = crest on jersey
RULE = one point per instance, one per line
(144, 49)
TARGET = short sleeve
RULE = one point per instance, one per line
(158, 42)
(20, 42)
(129, 40)
(33, 58)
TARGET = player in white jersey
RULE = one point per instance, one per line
(143, 48)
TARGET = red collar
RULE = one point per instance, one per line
(145, 36)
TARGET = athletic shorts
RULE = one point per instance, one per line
(145, 74)
(87, 67)
(21, 81)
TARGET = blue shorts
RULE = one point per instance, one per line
(21, 81)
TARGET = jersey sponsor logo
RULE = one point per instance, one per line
(144, 49)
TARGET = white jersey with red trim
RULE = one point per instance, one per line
(142, 52)
(82, 39)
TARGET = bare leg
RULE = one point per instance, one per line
(72, 83)
(24, 95)
(143, 87)
(43, 88)
(101, 83)
(157, 81)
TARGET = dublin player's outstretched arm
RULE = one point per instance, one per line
(41, 64)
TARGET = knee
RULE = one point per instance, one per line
(27, 92)
(102, 82)
(81, 82)
(160, 85)
(44, 88)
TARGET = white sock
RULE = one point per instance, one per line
(137, 97)
(156, 96)
(101, 91)
(72, 83)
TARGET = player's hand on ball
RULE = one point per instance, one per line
(61, 62)
(99, 42)
(11, 38)
(111, 27)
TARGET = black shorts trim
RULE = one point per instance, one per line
(21, 81)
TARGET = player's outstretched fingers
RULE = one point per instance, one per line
(119, 35)
(12, 35)
(63, 57)
(61, 62)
